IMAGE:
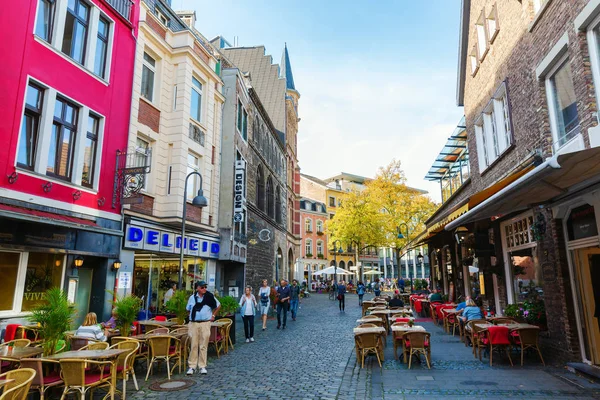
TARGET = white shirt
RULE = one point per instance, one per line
(248, 304)
(168, 296)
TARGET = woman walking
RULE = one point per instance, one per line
(248, 309)
(341, 290)
(360, 291)
(265, 302)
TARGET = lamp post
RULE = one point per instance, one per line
(398, 256)
(420, 259)
(198, 201)
(335, 251)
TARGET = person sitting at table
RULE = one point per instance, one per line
(112, 322)
(91, 329)
(396, 301)
(471, 311)
(435, 296)
(462, 305)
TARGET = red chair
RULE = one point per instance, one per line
(161, 318)
(11, 330)
(497, 336)
(418, 306)
(402, 319)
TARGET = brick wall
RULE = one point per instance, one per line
(156, 26)
(201, 53)
(149, 115)
(146, 207)
(193, 214)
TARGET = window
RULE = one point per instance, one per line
(278, 205)
(148, 71)
(474, 61)
(44, 271)
(482, 38)
(563, 104)
(89, 153)
(196, 109)
(193, 165)
(62, 142)
(270, 198)
(493, 129)
(45, 18)
(308, 247)
(319, 226)
(242, 121)
(142, 155)
(161, 17)
(101, 47)
(492, 23)
(9, 268)
(331, 201)
(76, 26)
(320, 248)
(30, 126)
(308, 225)
(260, 189)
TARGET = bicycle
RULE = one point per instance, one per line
(331, 295)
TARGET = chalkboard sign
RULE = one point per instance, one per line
(582, 223)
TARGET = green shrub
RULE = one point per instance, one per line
(126, 310)
(229, 305)
(54, 316)
(177, 305)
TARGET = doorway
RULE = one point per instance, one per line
(84, 291)
(588, 276)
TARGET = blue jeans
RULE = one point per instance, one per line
(294, 307)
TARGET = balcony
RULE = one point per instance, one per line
(123, 7)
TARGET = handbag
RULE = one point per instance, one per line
(339, 296)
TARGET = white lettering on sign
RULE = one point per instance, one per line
(239, 183)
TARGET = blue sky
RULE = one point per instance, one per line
(377, 79)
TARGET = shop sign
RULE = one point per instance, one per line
(582, 223)
(142, 238)
(239, 184)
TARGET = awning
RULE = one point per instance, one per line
(555, 178)
(45, 217)
(439, 226)
(496, 187)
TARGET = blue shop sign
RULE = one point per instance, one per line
(151, 239)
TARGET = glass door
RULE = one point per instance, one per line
(588, 275)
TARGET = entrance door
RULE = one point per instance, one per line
(589, 286)
(84, 290)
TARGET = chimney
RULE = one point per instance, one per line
(188, 17)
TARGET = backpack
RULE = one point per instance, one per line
(376, 286)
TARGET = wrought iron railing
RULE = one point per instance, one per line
(123, 7)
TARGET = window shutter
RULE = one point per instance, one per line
(500, 125)
(480, 148)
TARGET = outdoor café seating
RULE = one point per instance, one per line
(47, 374)
(527, 338)
(162, 349)
(77, 379)
(369, 343)
(18, 387)
(496, 337)
(416, 343)
(125, 362)
(95, 346)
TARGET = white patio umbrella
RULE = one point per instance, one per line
(372, 272)
(333, 270)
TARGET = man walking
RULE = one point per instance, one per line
(294, 299)
(283, 302)
(203, 306)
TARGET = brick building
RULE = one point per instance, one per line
(314, 251)
(174, 134)
(522, 216)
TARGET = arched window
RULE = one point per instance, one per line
(308, 225)
(308, 248)
(320, 248)
(319, 226)
(278, 205)
(270, 198)
(342, 264)
(260, 189)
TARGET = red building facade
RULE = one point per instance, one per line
(66, 88)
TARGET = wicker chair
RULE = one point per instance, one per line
(497, 337)
(125, 361)
(477, 336)
(470, 333)
(398, 338)
(77, 342)
(45, 378)
(450, 322)
(367, 325)
(18, 343)
(502, 320)
(162, 350)
(369, 343)
(183, 335)
(217, 339)
(26, 332)
(95, 346)
(365, 308)
(527, 338)
(150, 327)
(158, 331)
(418, 343)
(227, 329)
(77, 379)
(19, 388)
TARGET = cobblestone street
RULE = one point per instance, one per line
(314, 359)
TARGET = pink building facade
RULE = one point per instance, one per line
(66, 88)
(313, 251)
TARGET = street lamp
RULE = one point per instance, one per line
(398, 249)
(420, 261)
(198, 201)
(335, 251)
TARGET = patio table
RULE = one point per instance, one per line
(16, 353)
(367, 320)
(376, 329)
(392, 320)
(108, 355)
(166, 324)
(402, 329)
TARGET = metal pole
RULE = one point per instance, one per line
(183, 232)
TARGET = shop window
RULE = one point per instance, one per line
(89, 152)
(9, 267)
(44, 271)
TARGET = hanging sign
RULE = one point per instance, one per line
(239, 189)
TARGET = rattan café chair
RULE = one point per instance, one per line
(77, 379)
(19, 387)
(95, 346)
(47, 374)
(18, 343)
(369, 343)
(124, 363)
(161, 350)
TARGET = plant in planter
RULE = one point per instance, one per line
(54, 316)
(320, 256)
(177, 305)
(308, 255)
(320, 233)
(229, 306)
(126, 310)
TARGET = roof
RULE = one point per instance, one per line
(314, 179)
(286, 69)
(349, 177)
(446, 160)
(266, 81)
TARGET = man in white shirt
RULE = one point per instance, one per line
(203, 307)
(170, 293)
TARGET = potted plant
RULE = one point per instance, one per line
(320, 256)
(126, 310)
(177, 305)
(309, 255)
(54, 317)
(229, 306)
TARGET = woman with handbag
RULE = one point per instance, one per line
(341, 290)
(265, 302)
(248, 309)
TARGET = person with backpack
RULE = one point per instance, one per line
(360, 291)
(341, 291)
(248, 309)
(294, 298)
(283, 302)
(376, 287)
(203, 307)
(265, 302)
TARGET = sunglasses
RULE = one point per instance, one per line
(202, 287)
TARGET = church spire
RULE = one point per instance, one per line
(286, 69)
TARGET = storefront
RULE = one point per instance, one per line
(154, 251)
(38, 251)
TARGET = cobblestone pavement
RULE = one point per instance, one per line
(314, 359)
